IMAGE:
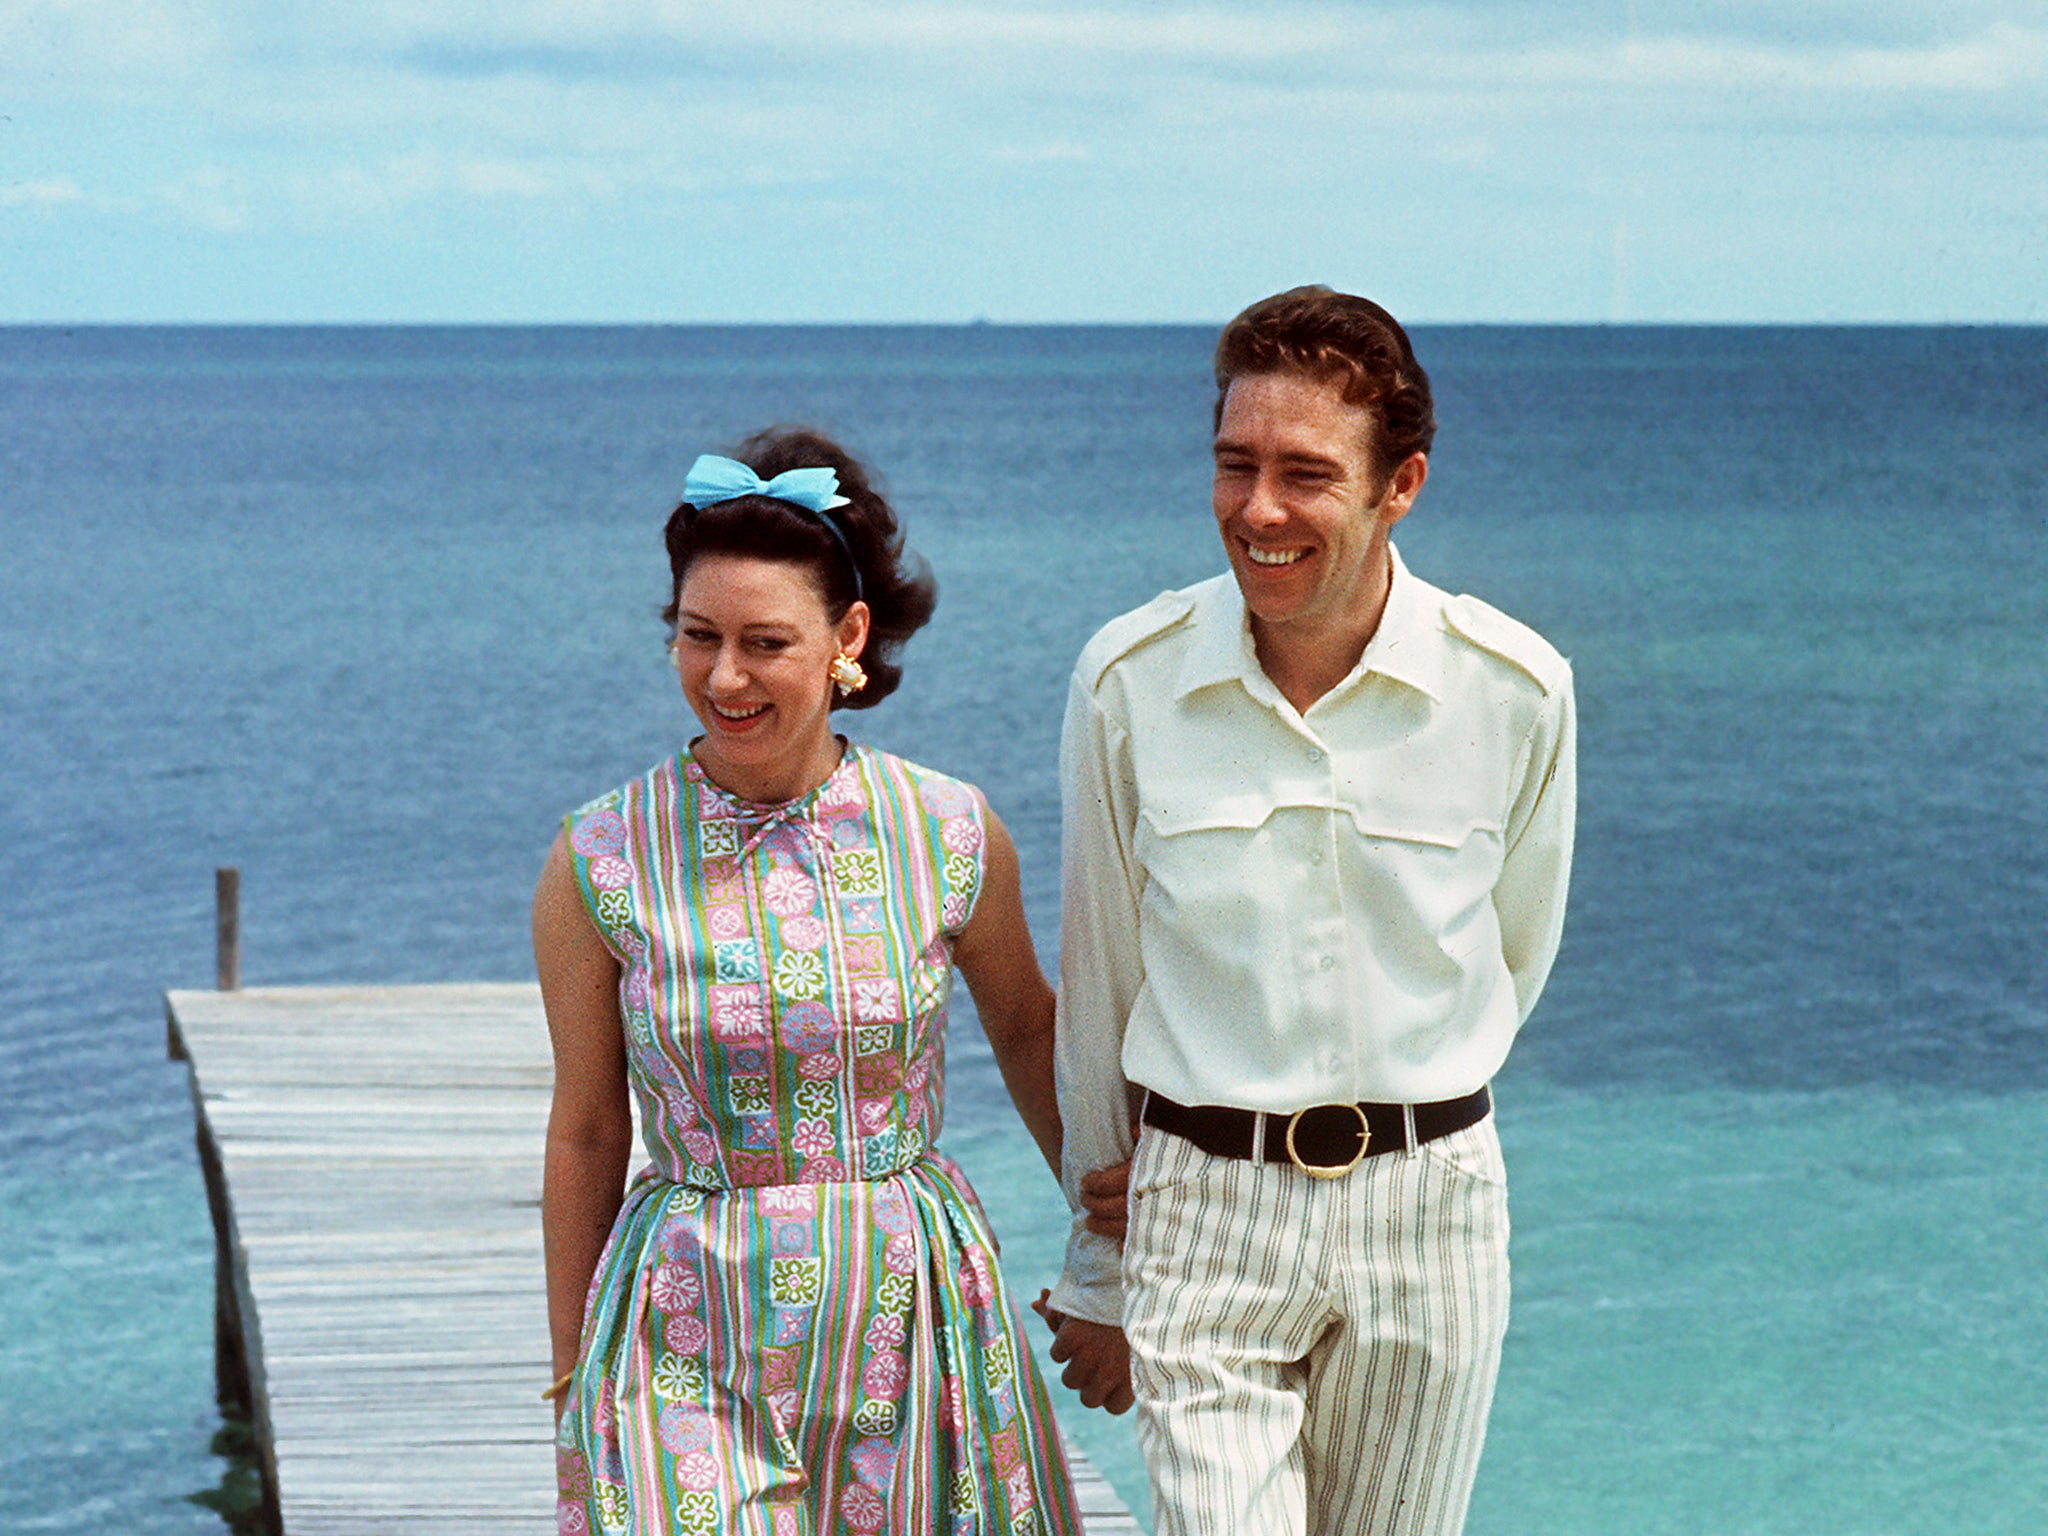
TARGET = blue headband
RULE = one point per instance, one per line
(713, 479)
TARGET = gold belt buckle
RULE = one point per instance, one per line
(1317, 1170)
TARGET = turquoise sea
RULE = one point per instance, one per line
(363, 611)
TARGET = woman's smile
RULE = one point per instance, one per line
(754, 649)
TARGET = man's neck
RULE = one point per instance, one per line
(1305, 661)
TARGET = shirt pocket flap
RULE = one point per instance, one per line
(1437, 826)
(1173, 815)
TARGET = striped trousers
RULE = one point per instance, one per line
(1310, 1355)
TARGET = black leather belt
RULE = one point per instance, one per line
(1325, 1141)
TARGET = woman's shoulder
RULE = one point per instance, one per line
(940, 794)
(608, 815)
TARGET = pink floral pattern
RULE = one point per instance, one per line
(945, 797)
(862, 1508)
(610, 873)
(977, 1288)
(803, 932)
(875, 1000)
(789, 1200)
(900, 1254)
(874, 1115)
(874, 1461)
(785, 994)
(789, 892)
(676, 1287)
(738, 1012)
(892, 1212)
(601, 832)
(686, 1334)
(885, 1375)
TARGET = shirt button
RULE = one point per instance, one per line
(1329, 962)
(1315, 856)
(1315, 754)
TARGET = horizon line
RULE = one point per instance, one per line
(983, 323)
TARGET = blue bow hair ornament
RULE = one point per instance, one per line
(713, 479)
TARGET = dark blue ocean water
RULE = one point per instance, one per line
(363, 611)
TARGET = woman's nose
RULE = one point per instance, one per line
(727, 675)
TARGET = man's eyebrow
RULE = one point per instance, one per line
(1304, 456)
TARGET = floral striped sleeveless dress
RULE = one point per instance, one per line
(797, 1326)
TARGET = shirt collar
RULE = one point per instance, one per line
(1404, 647)
(1221, 647)
(1400, 648)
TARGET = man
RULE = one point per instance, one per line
(1318, 830)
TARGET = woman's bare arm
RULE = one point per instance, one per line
(590, 1124)
(1011, 994)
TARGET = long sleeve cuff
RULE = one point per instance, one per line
(1091, 1287)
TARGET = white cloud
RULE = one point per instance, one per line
(434, 121)
(2001, 58)
(1040, 154)
(212, 197)
(45, 193)
(339, 192)
(72, 43)
(444, 65)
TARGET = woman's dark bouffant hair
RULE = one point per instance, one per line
(897, 586)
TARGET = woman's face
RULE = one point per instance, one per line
(754, 647)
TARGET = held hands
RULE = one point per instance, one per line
(1105, 1199)
(1096, 1357)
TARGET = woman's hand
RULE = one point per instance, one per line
(1096, 1356)
(1105, 1197)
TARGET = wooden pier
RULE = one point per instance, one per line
(373, 1166)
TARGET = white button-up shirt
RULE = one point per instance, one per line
(1271, 909)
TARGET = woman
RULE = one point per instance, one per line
(793, 1320)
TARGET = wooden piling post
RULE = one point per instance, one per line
(227, 929)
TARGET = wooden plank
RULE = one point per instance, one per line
(373, 1166)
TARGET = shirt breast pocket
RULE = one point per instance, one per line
(1203, 850)
(1431, 869)
(1201, 818)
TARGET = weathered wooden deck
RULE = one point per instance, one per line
(373, 1164)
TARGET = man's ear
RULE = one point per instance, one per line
(1403, 486)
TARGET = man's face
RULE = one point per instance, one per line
(1302, 514)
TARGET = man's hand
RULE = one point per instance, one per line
(1096, 1357)
(1104, 1196)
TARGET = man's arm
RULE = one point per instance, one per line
(1100, 974)
(1530, 895)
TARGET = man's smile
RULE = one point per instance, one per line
(1259, 556)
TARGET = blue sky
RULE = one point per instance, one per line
(1132, 160)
